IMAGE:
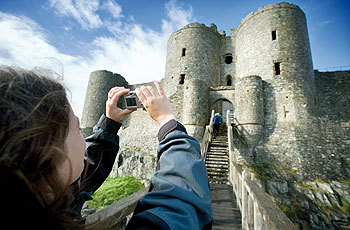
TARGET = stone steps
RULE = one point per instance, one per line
(226, 214)
(217, 161)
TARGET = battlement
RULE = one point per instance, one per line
(196, 25)
(263, 9)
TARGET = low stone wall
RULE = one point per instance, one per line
(133, 162)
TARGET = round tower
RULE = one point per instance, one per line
(249, 111)
(273, 43)
(100, 82)
(195, 112)
(193, 52)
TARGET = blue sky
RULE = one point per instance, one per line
(76, 37)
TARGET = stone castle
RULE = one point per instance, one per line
(289, 115)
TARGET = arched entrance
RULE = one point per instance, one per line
(221, 106)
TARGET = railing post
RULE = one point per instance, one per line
(228, 118)
(244, 202)
(211, 121)
(250, 212)
(239, 190)
(258, 221)
(207, 136)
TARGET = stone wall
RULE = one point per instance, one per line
(333, 95)
(314, 148)
(134, 162)
(139, 131)
(227, 70)
(304, 164)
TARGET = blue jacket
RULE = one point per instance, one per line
(179, 195)
(217, 119)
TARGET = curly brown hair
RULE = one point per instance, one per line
(34, 123)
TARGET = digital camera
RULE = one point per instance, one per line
(132, 101)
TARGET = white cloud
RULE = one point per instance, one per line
(138, 53)
(84, 11)
(178, 16)
(114, 9)
(24, 42)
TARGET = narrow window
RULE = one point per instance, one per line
(274, 35)
(277, 68)
(228, 58)
(183, 52)
(229, 80)
(182, 79)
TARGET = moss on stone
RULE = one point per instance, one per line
(291, 210)
(262, 171)
(345, 206)
(114, 189)
(134, 149)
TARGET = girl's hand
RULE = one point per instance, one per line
(156, 103)
(112, 111)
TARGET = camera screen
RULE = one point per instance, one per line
(131, 101)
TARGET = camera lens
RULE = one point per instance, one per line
(131, 101)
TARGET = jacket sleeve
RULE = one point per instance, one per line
(101, 150)
(179, 196)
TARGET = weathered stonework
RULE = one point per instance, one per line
(287, 116)
(132, 162)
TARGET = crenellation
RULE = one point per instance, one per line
(278, 6)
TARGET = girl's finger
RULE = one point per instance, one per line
(146, 92)
(159, 88)
(113, 90)
(117, 95)
(140, 95)
(153, 92)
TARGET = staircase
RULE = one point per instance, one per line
(217, 160)
(226, 213)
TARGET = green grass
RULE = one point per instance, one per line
(114, 189)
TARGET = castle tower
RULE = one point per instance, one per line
(100, 82)
(273, 43)
(193, 52)
(193, 65)
(195, 113)
(250, 108)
